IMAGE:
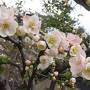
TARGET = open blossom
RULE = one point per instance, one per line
(53, 39)
(77, 50)
(73, 39)
(44, 62)
(86, 70)
(77, 64)
(32, 24)
(7, 23)
(6, 12)
(7, 27)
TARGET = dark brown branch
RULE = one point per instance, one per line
(4, 84)
(11, 40)
(82, 2)
(23, 59)
(20, 48)
(30, 82)
(52, 85)
(18, 44)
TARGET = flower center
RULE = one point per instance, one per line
(75, 50)
(5, 25)
(78, 61)
(52, 40)
(31, 24)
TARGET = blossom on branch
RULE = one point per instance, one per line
(73, 39)
(86, 70)
(7, 23)
(32, 24)
(77, 65)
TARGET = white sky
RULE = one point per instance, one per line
(36, 5)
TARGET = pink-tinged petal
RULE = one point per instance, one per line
(6, 12)
(86, 71)
(77, 64)
(63, 40)
(53, 39)
(73, 39)
(77, 50)
(75, 71)
(12, 30)
(86, 74)
(52, 52)
(32, 24)
(2, 33)
(65, 44)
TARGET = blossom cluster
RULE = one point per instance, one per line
(55, 43)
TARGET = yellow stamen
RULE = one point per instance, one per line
(88, 68)
(31, 24)
(52, 40)
(74, 50)
(5, 25)
(78, 62)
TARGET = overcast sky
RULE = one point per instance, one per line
(36, 5)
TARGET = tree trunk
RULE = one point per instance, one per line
(4, 85)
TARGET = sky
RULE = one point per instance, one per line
(79, 12)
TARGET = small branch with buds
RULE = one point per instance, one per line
(18, 44)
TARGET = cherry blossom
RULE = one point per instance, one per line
(77, 49)
(86, 70)
(73, 39)
(32, 24)
(53, 39)
(7, 23)
(77, 64)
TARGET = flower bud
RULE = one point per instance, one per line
(27, 62)
(54, 78)
(41, 45)
(63, 84)
(61, 49)
(26, 68)
(27, 40)
(36, 37)
(84, 35)
(56, 73)
(20, 31)
(73, 80)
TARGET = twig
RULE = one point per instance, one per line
(30, 81)
(18, 44)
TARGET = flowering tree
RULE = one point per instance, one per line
(55, 54)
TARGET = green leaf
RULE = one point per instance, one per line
(4, 59)
(1, 69)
